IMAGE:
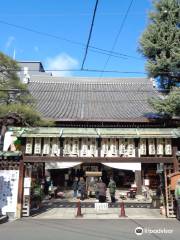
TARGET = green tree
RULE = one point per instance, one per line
(16, 102)
(160, 45)
(160, 42)
(169, 105)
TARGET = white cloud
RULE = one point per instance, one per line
(61, 61)
(9, 41)
(36, 48)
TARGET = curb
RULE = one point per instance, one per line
(3, 219)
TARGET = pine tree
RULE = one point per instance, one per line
(160, 42)
(169, 106)
(160, 45)
(16, 102)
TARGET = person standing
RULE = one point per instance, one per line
(82, 188)
(101, 186)
(75, 187)
(177, 197)
(112, 189)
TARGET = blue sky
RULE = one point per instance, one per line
(71, 19)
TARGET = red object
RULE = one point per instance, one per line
(79, 214)
(122, 210)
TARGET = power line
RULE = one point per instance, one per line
(100, 50)
(90, 33)
(117, 36)
(90, 70)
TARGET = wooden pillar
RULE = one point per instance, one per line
(155, 142)
(174, 151)
(61, 146)
(136, 140)
(138, 181)
(2, 134)
(20, 189)
(99, 147)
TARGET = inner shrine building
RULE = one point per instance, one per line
(101, 124)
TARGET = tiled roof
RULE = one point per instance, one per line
(92, 99)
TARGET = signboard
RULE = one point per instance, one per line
(26, 191)
(8, 191)
(93, 174)
(27, 182)
(101, 206)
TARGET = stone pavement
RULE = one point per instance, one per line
(91, 213)
(82, 229)
(119, 192)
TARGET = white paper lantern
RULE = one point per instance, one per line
(75, 148)
(93, 148)
(151, 144)
(55, 147)
(142, 146)
(131, 148)
(29, 144)
(122, 147)
(113, 147)
(105, 147)
(160, 146)
(84, 147)
(67, 147)
(46, 146)
(168, 146)
(37, 146)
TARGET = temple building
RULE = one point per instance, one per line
(101, 124)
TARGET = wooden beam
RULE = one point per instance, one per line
(99, 159)
(20, 189)
(138, 180)
(174, 150)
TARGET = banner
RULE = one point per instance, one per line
(9, 191)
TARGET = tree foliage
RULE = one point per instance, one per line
(160, 42)
(16, 101)
(169, 105)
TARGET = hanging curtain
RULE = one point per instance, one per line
(61, 165)
(124, 166)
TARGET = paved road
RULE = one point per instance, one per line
(80, 229)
